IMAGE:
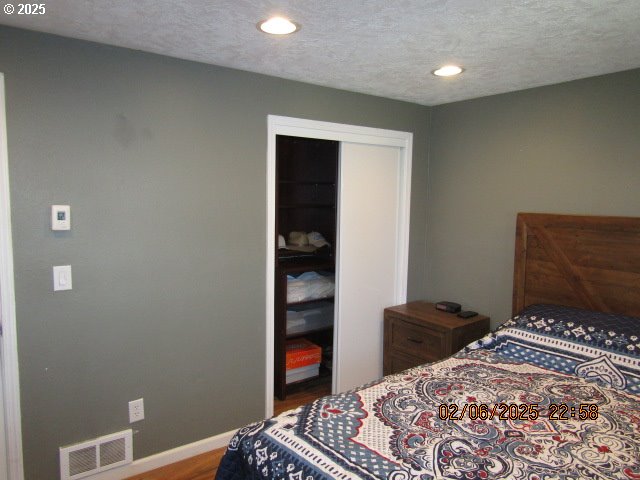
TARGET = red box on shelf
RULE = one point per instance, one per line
(301, 353)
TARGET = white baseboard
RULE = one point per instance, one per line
(166, 458)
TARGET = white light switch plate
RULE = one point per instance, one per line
(62, 278)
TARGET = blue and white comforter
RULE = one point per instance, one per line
(443, 420)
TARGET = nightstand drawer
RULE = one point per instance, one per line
(416, 340)
(397, 362)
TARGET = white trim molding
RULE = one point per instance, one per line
(297, 127)
(9, 338)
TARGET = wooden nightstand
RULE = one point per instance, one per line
(417, 333)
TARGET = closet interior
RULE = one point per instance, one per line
(306, 198)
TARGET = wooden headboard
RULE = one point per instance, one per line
(579, 261)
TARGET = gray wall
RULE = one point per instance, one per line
(567, 148)
(164, 165)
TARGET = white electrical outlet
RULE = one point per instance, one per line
(136, 410)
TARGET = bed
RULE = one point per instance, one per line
(553, 393)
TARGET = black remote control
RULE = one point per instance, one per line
(467, 314)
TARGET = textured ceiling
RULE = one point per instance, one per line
(380, 47)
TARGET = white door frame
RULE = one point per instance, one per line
(297, 127)
(9, 338)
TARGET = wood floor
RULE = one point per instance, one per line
(205, 466)
(303, 393)
(200, 467)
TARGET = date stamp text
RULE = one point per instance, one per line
(518, 411)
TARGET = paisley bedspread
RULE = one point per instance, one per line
(404, 426)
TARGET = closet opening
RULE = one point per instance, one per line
(306, 181)
(344, 192)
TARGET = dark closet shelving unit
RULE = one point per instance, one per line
(306, 195)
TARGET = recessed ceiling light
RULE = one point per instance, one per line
(448, 71)
(278, 26)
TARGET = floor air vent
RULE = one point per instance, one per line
(87, 458)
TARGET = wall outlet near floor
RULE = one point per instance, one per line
(136, 410)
